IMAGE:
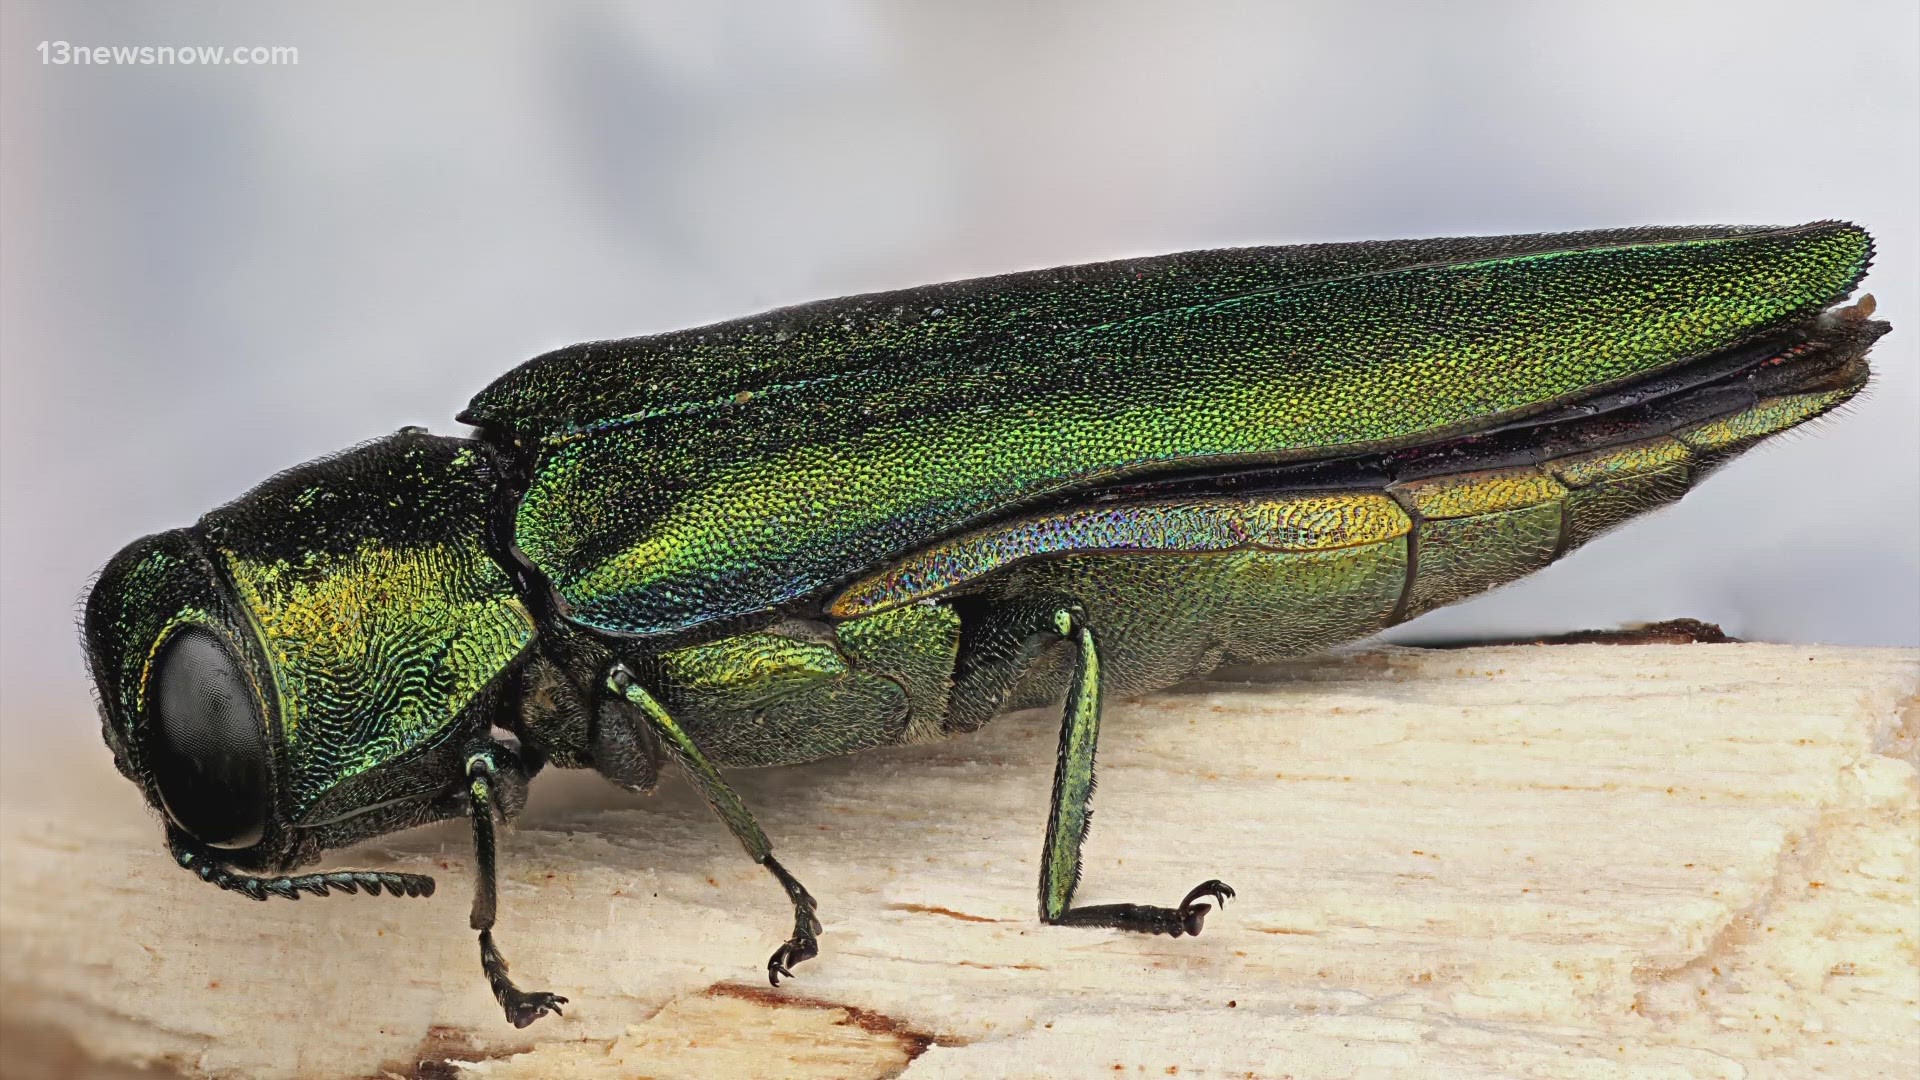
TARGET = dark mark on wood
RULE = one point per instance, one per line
(442, 1047)
(929, 909)
(912, 1040)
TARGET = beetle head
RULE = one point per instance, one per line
(185, 690)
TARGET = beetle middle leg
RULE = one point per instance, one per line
(803, 945)
(995, 652)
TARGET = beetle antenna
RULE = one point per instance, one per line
(195, 858)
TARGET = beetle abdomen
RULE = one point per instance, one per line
(1177, 587)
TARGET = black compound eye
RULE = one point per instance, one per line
(207, 745)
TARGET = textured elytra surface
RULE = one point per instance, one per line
(718, 472)
(598, 384)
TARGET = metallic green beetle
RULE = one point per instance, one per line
(887, 518)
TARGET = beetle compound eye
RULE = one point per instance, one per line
(207, 746)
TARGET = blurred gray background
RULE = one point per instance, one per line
(212, 273)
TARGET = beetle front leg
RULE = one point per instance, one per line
(494, 776)
(996, 654)
(802, 945)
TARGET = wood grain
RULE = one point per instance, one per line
(1528, 861)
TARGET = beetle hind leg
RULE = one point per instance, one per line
(994, 655)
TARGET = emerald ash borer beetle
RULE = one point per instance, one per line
(885, 519)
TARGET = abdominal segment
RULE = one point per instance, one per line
(1174, 588)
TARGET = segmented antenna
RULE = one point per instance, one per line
(192, 857)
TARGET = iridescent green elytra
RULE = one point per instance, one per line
(885, 519)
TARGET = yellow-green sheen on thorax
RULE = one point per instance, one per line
(368, 584)
(376, 649)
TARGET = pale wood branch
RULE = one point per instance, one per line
(1676, 861)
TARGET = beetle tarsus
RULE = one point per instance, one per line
(1183, 921)
(522, 1007)
(1219, 890)
(802, 945)
(1193, 913)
